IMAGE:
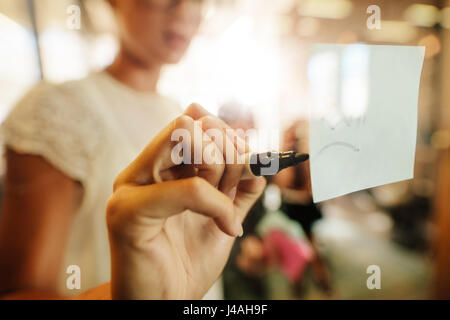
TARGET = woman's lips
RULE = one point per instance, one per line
(176, 40)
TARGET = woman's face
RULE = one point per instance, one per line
(157, 31)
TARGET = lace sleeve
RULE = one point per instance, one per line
(56, 123)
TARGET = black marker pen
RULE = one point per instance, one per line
(270, 163)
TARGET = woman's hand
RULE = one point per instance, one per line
(171, 227)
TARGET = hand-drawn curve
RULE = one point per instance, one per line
(338, 143)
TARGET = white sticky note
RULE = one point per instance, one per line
(363, 116)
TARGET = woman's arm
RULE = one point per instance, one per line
(171, 231)
(39, 204)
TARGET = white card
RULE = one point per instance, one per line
(363, 116)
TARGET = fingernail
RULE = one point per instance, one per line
(239, 229)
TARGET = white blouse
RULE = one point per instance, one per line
(90, 129)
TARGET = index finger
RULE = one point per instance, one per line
(196, 111)
(157, 155)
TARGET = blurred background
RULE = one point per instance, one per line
(253, 55)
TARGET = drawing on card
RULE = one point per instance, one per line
(363, 108)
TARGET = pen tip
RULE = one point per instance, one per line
(301, 157)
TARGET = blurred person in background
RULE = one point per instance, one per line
(272, 244)
(66, 143)
(295, 185)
